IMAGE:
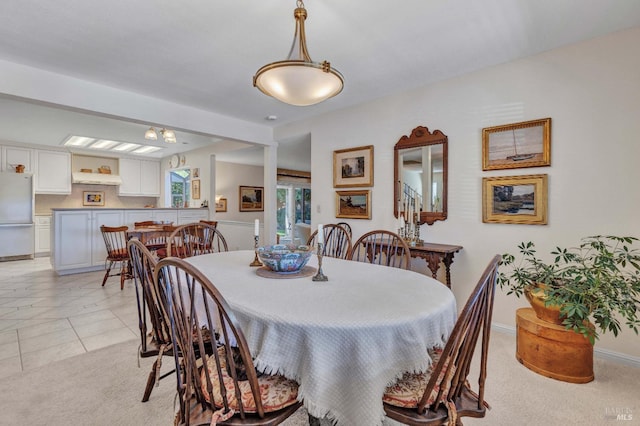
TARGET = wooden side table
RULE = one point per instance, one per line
(551, 350)
(434, 254)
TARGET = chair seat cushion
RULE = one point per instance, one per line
(408, 390)
(276, 391)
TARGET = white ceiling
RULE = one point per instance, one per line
(205, 53)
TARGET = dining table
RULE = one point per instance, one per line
(343, 340)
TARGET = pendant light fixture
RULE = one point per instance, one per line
(298, 80)
(168, 135)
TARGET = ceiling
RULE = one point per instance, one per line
(204, 53)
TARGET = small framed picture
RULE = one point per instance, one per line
(93, 198)
(515, 199)
(517, 145)
(195, 189)
(353, 167)
(221, 205)
(251, 199)
(353, 204)
(195, 172)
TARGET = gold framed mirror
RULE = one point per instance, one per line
(420, 175)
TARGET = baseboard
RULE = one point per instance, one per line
(613, 356)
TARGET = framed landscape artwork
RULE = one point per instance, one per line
(353, 167)
(517, 145)
(93, 198)
(251, 198)
(221, 205)
(515, 199)
(353, 204)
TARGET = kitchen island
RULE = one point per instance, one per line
(76, 241)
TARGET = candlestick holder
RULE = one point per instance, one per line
(256, 261)
(320, 276)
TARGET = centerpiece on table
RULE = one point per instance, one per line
(285, 258)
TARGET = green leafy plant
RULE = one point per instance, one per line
(597, 281)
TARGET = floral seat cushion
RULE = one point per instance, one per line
(408, 390)
(276, 391)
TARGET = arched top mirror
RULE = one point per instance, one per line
(420, 174)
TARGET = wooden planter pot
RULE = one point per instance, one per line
(551, 350)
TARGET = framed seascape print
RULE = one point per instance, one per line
(517, 145)
(195, 189)
(221, 205)
(353, 167)
(353, 204)
(251, 199)
(515, 199)
(93, 198)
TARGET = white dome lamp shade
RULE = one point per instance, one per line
(298, 80)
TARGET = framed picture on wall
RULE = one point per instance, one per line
(353, 167)
(93, 198)
(517, 145)
(195, 172)
(195, 189)
(515, 199)
(251, 199)
(353, 204)
(221, 205)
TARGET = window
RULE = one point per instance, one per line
(180, 181)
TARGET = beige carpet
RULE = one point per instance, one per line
(104, 387)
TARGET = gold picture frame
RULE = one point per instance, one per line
(195, 189)
(515, 199)
(251, 198)
(353, 204)
(353, 167)
(221, 205)
(93, 198)
(517, 145)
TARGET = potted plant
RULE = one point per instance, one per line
(597, 281)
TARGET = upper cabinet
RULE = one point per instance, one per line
(139, 177)
(12, 156)
(52, 172)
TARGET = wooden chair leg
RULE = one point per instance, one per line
(151, 381)
(123, 274)
(106, 274)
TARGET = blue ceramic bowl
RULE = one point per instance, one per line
(284, 258)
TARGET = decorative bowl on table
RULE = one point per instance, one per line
(285, 258)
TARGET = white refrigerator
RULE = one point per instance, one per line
(16, 216)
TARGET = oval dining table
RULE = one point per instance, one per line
(343, 340)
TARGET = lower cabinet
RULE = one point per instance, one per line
(43, 235)
(78, 245)
(192, 215)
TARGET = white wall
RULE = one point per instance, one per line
(590, 90)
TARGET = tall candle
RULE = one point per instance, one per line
(401, 222)
(256, 229)
(320, 234)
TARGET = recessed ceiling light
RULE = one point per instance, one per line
(271, 117)
(125, 147)
(85, 142)
(103, 144)
(78, 141)
(146, 150)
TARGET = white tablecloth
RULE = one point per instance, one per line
(343, 340)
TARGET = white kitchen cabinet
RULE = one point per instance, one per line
(52, 172)
(139, 178)
(192, 215)
(78, 244)
(13, 155)
(133, 216)
(43, 235)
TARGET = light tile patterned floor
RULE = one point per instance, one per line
(45, 317)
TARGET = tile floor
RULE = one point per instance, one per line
(45, 317)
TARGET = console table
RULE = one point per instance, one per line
(434, 254)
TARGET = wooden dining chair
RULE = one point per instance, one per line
(193, 239)
(210, 372)
(213, 223)
(337, 241)
(383, 248)
(443, 394)
(115, 240)
(155, 336)
(347, 227)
